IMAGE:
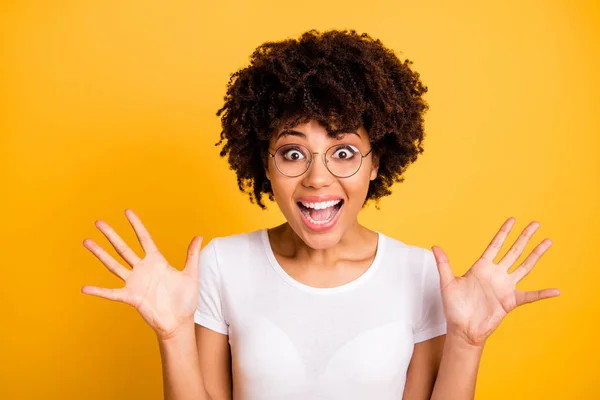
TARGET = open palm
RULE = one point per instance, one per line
(164, 296)
(477, 302)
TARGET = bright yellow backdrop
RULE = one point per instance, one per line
(107, 105)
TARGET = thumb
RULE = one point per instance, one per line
(441, 260)
(193, 258)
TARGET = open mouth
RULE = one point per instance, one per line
(320, 213)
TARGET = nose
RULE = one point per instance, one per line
(317, 175)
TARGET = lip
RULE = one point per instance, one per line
(324, 227)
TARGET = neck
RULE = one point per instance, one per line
(353, 245)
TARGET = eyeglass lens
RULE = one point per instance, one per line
(342, 160)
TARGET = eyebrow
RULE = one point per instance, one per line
(291, 132)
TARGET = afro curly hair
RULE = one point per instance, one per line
(342, 80)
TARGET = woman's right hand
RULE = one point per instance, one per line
(165, 297)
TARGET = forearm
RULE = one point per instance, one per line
(182, 379)
(457, 375)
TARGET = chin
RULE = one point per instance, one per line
(318, 240)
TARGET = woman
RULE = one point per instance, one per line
(320, 307)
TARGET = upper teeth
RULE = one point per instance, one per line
(321, 205)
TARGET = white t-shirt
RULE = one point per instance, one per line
(292, 341)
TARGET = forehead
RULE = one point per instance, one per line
(305, 135)
(312, 128)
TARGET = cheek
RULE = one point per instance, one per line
(283, 188)
(363, 179)
(357, 187)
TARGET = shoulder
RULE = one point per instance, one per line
(243, 239)
(410, 254)
(414, 262)
(233, 247)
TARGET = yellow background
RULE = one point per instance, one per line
(108, 104)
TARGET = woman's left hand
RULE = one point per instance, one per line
(476, 303)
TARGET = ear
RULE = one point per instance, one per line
(266, 167)
(374, 167)
(264, 156)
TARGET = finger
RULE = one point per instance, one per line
(526, 266)
(441, 260)
(530, 297)
(113, 265)
(119, 244)
(193, 257)
(106, 293)
(141, 232)
(518, 246)
(491, 252)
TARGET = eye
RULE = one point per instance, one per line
(345, 152)
(293, 154)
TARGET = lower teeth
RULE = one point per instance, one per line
(312, 221)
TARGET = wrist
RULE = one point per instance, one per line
(462, 342)
(183, 330)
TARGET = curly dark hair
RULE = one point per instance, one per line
(339, 78)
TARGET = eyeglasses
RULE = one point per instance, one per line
(342, 160)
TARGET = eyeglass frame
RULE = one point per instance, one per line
(312, 159)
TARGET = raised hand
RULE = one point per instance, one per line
(165, 297)
(476, 303)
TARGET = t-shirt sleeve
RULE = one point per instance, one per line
(209, 312)
(432, 321)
